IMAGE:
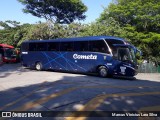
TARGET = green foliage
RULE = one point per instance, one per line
(12, 32)
(106, 27)
(58, 11)
(50, 31)
(135, 20)
(140, 20)
(15, 35)
(22, 34)
(39, 31)
(8, 24)
(143, 14)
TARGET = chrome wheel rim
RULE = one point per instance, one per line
(103, 72)
(38, 66)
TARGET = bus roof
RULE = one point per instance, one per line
(89, 38)
(6, 46)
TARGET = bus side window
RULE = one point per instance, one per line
(24, 47)
(41, 47)
(98, 46)
(110, 42)
(66, 46)
(32, 46)
(53, 46)
(93, 46)
(70, 46)
(81, 46)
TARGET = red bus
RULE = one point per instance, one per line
(8, 53)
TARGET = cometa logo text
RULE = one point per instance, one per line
(93, 57)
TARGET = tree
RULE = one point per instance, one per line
(57, 11)
(106, 27)
(39, 31)
(13, 33)
(43, 31)
(9, 24)
(143, 14)
(140, 20)
(73, 30)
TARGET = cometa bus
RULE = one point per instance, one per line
(105, 55)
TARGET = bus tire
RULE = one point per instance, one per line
(103, 71)
(38, 66)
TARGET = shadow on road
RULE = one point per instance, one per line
(11, 68)
(79, 93)
(82, 93)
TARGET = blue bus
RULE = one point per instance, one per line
(105, 55)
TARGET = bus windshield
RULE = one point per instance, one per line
(125, 54)
(9, 52)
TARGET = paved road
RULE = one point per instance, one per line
(29, 90)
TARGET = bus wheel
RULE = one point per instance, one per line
(38, 66)
(103, 72)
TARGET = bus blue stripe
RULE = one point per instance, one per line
(54, 60)
(70, 61)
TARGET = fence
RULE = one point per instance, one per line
(148, 68)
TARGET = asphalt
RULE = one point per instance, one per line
(23, 89)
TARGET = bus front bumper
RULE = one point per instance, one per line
(125, 71)
(124, 77)
(9, 60)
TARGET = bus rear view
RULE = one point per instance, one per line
(105, 55)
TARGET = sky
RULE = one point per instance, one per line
(12, 10)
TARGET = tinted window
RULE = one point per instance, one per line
(41, 46)
(81, 46)
(32, 46)
(37, 46)
(53, 46)
(1, 51)
(112, 41)
(113, 48)
(98, 46)
(9, 52)
(66, 46)
(24, 47)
